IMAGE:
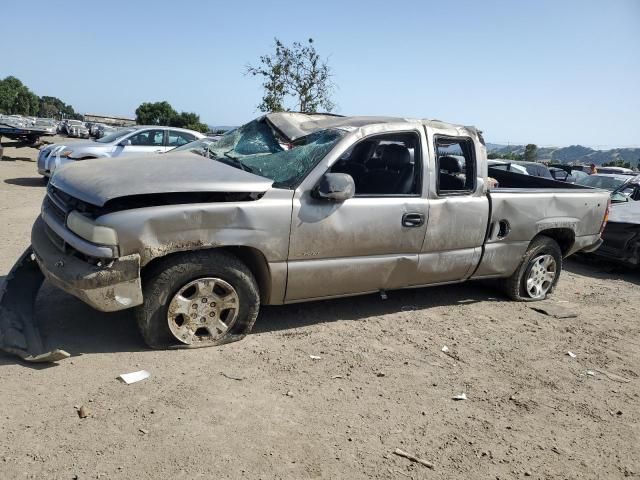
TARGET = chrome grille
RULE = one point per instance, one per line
(54, 210)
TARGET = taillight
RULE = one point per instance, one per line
(606, 216)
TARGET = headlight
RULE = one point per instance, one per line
(66, 153)
(86, 228)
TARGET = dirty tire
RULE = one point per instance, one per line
(166, 277)
(515, 285)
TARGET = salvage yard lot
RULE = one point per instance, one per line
(264, 408)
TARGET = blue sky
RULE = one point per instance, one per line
(548, 72)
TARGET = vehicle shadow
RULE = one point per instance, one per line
(357, 308)
(26, 181)
(595, 267)
(67, 323)
(5, 158)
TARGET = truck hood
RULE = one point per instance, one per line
(97, 181)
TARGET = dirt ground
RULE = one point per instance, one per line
(263, 408)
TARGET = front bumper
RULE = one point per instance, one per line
(110, 288)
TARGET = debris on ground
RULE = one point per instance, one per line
(413, 458)
(134, 377)
(380, 374)
(408, 308)
(314, 357)
(450, 354)
(83, 412)
(571, 354)
(612, 376)
(143, 431)
(462, 396)
(231, 377)
(383, 295)
(289, 394)
(553, 310)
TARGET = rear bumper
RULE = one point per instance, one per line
(586, 243)
(105, 288)
(593, 247)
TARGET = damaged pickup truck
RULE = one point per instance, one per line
(289, 208)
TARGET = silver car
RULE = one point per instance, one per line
(128, 141)
(76, 128)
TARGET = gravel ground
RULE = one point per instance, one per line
(264, 408)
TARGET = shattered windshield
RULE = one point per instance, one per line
(256, 148)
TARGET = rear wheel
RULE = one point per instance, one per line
(197, 299)
(538, 273)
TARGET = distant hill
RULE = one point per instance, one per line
(574, 154)
(226, 128)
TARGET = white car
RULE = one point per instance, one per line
(129, 141)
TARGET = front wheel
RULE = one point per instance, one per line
(538, 273)
(197, 299)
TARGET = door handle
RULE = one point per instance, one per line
(412, 219)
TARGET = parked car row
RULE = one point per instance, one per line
(26, 128)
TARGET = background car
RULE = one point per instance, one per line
(76, 128)
(128, 141)
(508, 166)
(618, 170)
(622, 187)
(621, 235)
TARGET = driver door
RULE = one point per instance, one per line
(370, 241)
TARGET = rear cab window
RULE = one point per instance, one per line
(455, 165)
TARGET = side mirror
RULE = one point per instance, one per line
(336, 187)
(125, 143)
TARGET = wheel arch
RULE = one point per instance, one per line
(253, 258)
(564, 237)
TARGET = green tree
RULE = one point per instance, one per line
(189, 120)
(16, 98)
(162, 113)
(52, 107)
(158, 113)
(531, 152)
(294, 78)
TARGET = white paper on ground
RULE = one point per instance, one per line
(134, 377)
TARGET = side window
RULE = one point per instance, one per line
(456, 165)
(388, 164)
(148, 138)
(177, 139)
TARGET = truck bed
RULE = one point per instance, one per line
(518, 181)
